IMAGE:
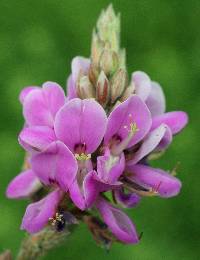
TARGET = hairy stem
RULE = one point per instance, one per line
(37, 245)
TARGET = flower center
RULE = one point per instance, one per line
(132, 126)
(132, 129)
(80, 152)
(82, 156)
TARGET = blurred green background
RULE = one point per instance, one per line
(38, 39)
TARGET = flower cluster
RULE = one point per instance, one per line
(94, 142)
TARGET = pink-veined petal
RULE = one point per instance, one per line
(160, 181)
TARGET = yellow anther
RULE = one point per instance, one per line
(133, 128)
(82, 156)
(58, 217)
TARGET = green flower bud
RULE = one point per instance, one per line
(96, 49)
(108, 62)
(118, 84)
(108, 28)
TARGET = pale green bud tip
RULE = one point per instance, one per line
(108, 27)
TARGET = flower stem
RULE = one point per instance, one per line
(37, 245)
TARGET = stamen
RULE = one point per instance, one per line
(58, 218)
(147, 193)
(132, 129)
(82, 156)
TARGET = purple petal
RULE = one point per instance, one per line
(142, 84)
(25, 92)
(54, 96)
(110, 167)
(81, 122)
(156, 100)
(23, 185)
(118, 222)
(159, 138)
(36, 138)
(133, 110)
(38, 214)
(160, 181)
(84, 194)
(176, 121)
(41, 105)
(127, 200)
(55, 165)
(71, 88)
(76, 195)
(80, 65)
(35, 109)
(90, 189)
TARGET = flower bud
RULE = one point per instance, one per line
(108, 62)
(118, 84)
(85, 88)
(96, 49)
(108, 28)
(102, 89)
(93, 74)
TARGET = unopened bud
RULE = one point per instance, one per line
(93, 74)
(85, 88)
(102, 89)
(108, 62)
(96, 49)
(108, 27)
(118, 84)
(128, 92)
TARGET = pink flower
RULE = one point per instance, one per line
(79, 149)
